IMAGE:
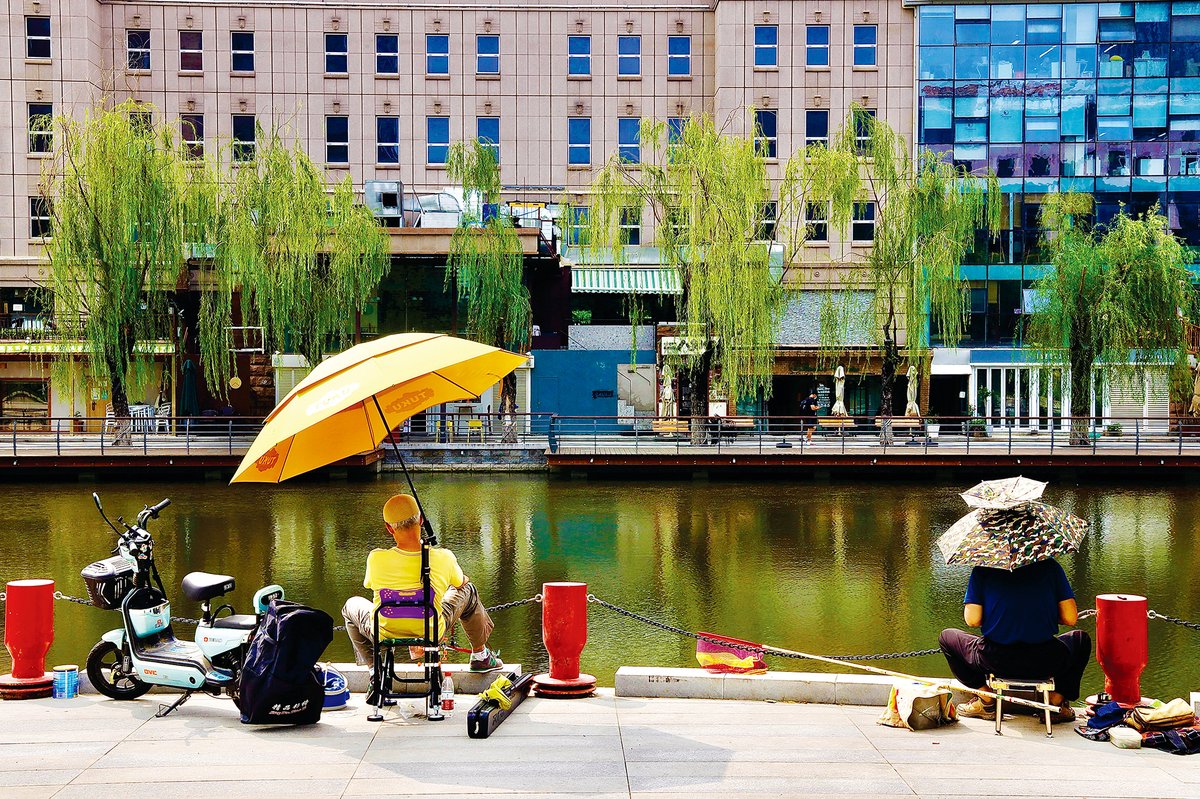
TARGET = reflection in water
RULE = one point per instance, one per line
(830, 569)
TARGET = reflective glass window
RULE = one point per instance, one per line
(971, 63)
(1008, 25)
(937, 24)
(936, 63)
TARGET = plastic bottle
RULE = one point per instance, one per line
(447, 694)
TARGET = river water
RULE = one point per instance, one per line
(834, 568)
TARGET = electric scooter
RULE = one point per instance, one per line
(145, 652)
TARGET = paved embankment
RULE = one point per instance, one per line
(600, 747)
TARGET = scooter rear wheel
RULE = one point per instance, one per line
(104, 671)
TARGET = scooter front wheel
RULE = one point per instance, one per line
(105, 669)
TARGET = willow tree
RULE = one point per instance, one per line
(305, 256)
(705, 190)
(927, 213)
(117, 190)
(1118, 294)
(486, 265)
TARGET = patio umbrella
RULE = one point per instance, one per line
(350, 403)
(1009, 538)
(1004, 493)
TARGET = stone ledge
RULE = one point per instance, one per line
(780, 686)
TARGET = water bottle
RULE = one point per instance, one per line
(447, 694)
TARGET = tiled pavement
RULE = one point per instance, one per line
(600, 747)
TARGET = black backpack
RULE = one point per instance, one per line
(279, 683)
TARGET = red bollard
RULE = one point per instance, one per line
(1122, 648)
(564, 633)
(28, 633)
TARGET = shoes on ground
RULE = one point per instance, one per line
(976, 709)
(490, 661)
(1064, 714)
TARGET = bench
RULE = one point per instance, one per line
(735, 424)
(670, 427)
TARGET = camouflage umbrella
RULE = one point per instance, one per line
(1009, 538)
(1003, 493)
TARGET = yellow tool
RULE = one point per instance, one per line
(496, 693)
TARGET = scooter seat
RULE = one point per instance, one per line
(241, 621)
(199, 586)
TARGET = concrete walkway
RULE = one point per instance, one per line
(600, 747)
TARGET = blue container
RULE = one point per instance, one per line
(66, 682)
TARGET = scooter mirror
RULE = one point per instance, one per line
(96, 499)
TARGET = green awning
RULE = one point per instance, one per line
(624, 280)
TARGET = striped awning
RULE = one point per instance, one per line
(624, 280)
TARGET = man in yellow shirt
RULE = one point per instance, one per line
(399, 569)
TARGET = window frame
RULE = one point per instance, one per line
(337, 58)
(342, 147)
(577, 223)
(40, 128)
(858, 224)
(861, 135)
(381, 54)
(145, 60)
(193, 148)
(679, 61)
(433, 58)
(480, 55)
(244, 150)
(579, 64)
(629, 226)
(629, 152)
(809, 139)
(623, 58)
(760, 133)
(31, 38)
(581, 124)
(382, 143)
(871, 47)
(811, 47)
(434, 147)
(40, 218)
(235, 53)
(187, 53)
(816, 224)
(487, 141)
(766, 50)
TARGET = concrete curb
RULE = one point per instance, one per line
(465, 681)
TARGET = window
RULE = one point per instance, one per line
(816, 221)
(387, 54)
(863, 226)
(675, 127)
(865, 39)
(487, 55)
(768, 221)
(437, 54)
(816, 50)
(631, 226)
(243, 137)
(766, 132)
(629, 55)
(142, 122)
(39, 218)
(137, 49)
(629, 143)
(864, 119)
(387, 140)
(577, 221)
(679, 56)
(41, 127)
(191, 51)
(241, 45)
(766, 45)
(487, 130)
(816, 127)
(337, 140)
(579, 140)
(191, 133)
(437, 139)
(336, 58)
(37, 37)
(579, 55)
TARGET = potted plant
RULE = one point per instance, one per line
(1113, 429)
(977, 426)
(932, 427)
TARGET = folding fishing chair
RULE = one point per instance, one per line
(386, 685)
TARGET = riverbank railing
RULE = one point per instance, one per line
(33, 435)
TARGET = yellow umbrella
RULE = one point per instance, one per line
(349, 403)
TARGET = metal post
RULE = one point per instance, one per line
(1094, 438)
(187, 435)
(145, 433)
(595, 443)
(231, 436)
(1137, 437)
(58, 438)
(14, 424)
(1052, 426)
(1180, 435)
(967, 434)
(1010, 429)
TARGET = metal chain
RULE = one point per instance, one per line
(1191, 625)
(518, 603)
(768, 649)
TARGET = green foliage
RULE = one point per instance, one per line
(1117, 295)
(303, 258)
(119, 200)
(486, 261)
(706, 192)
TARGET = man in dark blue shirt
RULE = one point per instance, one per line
(1019, 613)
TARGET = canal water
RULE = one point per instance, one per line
(832, 568)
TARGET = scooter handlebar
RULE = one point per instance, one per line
(154, 509)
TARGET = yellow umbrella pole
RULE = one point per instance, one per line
(427, 535)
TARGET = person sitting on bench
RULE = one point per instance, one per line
(1019, 613)
(399, 568)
